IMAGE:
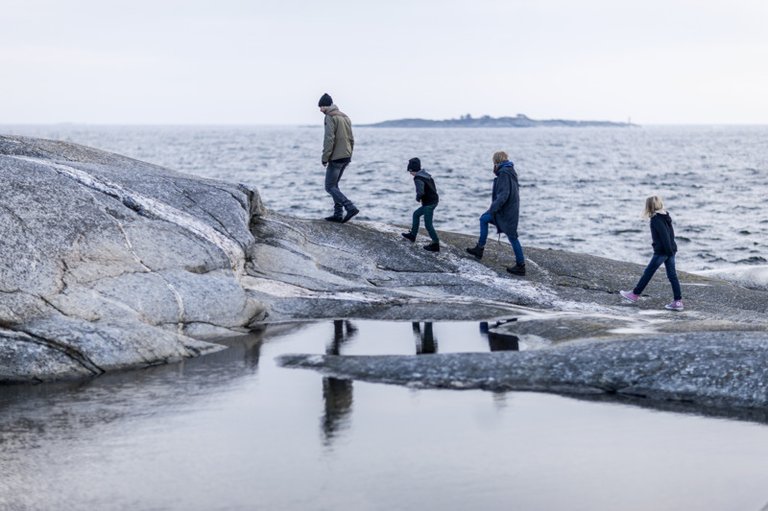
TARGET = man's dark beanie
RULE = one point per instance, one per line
(414, 165)
(325, 100)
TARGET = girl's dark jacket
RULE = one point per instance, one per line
(663, 234)
(505, 205)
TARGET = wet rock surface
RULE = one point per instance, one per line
(708, 357)
(708, 369)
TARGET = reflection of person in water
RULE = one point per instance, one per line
(498, 341)
(337, 393)
(425, 341)
(340, 336)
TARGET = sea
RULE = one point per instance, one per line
(234, 431)
(582, 189)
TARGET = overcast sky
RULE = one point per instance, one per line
(268, 61)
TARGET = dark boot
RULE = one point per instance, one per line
(477, 251)
(433, 247)
(518, 269)
(334, 218)
(350, 213)
(407, 235)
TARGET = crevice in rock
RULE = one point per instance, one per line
(72, 353)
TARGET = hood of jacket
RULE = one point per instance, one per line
(334, 110)
(508, 165)
(422, 173)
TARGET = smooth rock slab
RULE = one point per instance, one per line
(107, 262)
(721, 370)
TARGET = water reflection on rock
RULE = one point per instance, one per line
(426, 343)
(498, 341)
(337, 393)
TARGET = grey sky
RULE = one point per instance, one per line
(268, 61)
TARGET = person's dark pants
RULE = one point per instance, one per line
(517, 248)
(669, 265)
(333, 173)
(426, 212)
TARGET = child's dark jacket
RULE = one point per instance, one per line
(663, 234)
(426, 190)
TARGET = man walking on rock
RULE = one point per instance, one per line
(337, 153)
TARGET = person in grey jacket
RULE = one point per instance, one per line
(338, 144)
(426, 194)
(504, 212)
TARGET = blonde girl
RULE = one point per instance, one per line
(664, 250)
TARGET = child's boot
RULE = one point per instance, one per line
(433, 247)
(477, 251)
(407, 235)
(517, 269)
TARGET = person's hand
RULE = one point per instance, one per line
(325, 164)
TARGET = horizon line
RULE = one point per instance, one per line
(301, 125)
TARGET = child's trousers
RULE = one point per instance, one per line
(426, 212)
(669, 265)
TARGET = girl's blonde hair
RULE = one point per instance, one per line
(653, 205)
(499, 157)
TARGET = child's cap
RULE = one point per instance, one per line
(414, 165)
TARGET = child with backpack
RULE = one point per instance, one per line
(426, 194)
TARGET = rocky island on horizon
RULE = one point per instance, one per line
(486, 121)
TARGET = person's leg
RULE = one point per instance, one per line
(428, 214)
(669, 265)
(333, 173)
(485, 219)
(656, 261)
(518, 250)
(416, 220)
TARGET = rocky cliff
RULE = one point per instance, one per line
(107, 262)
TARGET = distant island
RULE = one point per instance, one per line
(486, 121)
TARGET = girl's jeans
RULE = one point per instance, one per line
(669, 265)
(426, 212)
(485, 219)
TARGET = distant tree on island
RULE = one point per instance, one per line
(486, 121)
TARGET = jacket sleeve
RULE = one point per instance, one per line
(330, 138)
(502, 194)
(419, 188)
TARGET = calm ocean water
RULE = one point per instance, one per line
(582, 189)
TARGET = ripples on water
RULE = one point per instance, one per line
(582, 189)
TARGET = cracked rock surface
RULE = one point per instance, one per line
(107, 262)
